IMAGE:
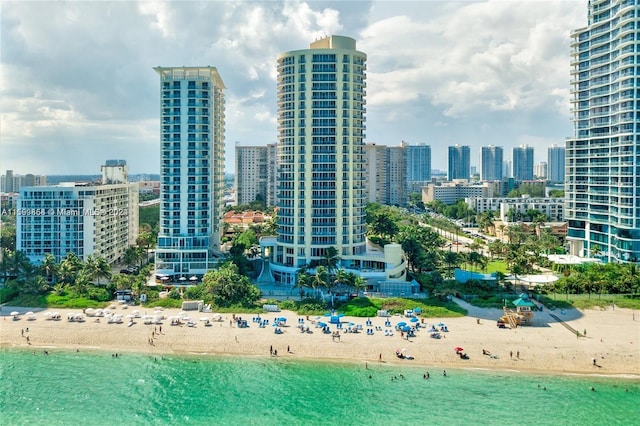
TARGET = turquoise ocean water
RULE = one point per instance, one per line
(68, 388)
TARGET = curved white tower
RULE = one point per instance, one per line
(321, 127)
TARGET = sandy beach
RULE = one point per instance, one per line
(613, 339)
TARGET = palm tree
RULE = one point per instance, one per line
(50, 267)
(6, 263)
(331, 260)
(303, 280)
(70, 267)
(97, 267)
(22, 266)
(358, 283)
(320, 279)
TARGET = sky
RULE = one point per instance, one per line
(77, 85)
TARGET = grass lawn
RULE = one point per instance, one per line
(585, 301)
(497, 265)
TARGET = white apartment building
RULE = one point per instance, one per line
(80, 218)
(251, 173)
(322, 181)
(450, 192)
(272, 174)
(552, 207)
(603, 156)
(191, 170)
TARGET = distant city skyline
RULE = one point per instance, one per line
(489, 74)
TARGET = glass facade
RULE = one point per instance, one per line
(603, 157)
(191, 168)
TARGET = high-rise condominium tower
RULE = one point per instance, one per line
(523, 162)
(555, 163)
(603, 173)
(251, 174)
(321, 98)
(322, 193)
(418, 162)
(459, 162)
(491, 163)
(191, 169)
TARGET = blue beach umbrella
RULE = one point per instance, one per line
(406, 328)
(401, 324)
(414, 319)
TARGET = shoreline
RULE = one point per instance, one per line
(547, 350)
(345, 361)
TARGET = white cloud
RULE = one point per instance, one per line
(76, 78)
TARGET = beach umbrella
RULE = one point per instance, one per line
(401, 324)
(351, 324)
(193, 278)
(459, 349)
(406, 328)
(14, 313)
(414, 319)
(441, 324)
(322, 324)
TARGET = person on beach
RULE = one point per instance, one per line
(518, 354)
(288, 349)
(511, 354)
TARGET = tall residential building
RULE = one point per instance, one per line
(507, 169)
(322, 193)
(523, 162)
(396, 171)
(540, 170)
(555, 163)
(272, 174)
(191, 169)
(418, 159)
(386, 174)
(377, 181)
(491, 163)
(459, 162)
(251, 174)
(78, 218)
(602, 158)
(10, 182)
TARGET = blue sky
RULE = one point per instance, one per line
(77, 85)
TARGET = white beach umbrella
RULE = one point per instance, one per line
(14, 313)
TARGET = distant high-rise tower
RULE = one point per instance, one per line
(396, 171)
(459, 162)
(251, 174)
(555, 164)
(540, 170)
(602, 158)
(191, 169)
(523, 162)
(377, 181)
(491, 163)
(418, 158)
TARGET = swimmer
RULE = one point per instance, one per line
(444, 373)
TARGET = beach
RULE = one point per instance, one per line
(611, 346)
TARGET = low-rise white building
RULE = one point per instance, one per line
(81, 218)
(552, 207)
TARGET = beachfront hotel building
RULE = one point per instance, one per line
(602, 157)
(523, 162)
(251, 174)
(191, 170)
(555, 164)
(459, 162)
(322, 181)
(82, 218)
(491, 163)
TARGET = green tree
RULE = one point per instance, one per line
(228, 287)
(96, 267)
